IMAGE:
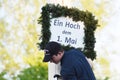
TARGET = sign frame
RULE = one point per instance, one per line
(50, 11)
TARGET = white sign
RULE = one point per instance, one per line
(67, 32)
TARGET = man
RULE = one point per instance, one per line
(74, 65)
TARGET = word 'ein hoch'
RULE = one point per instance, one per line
(67, 24)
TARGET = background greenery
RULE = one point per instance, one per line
(20, 58)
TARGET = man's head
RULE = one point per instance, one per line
(53, 52)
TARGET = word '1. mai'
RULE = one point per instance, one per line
(68, 40)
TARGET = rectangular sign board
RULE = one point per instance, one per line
(67, 32)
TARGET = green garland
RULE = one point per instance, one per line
(50, 11)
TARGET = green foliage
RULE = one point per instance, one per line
(106, 78)
(37, 70)
(1, 75)
(50, 11)
(34, 73)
